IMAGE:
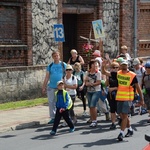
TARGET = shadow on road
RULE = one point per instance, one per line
(96, 143)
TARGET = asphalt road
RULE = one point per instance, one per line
(84, 137)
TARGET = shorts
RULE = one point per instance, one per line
(147, 101)
(123, 107)
(93, 98)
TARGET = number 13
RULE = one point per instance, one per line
(59, 32)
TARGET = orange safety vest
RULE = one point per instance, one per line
(125, 91)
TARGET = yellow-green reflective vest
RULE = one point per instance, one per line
(64, 97)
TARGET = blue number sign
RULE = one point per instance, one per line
(59, 33)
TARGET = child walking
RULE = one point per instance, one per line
(63, 104)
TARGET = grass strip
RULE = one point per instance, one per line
(23, 104)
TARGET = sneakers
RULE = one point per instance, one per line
(85, 113)
(64, 124)
(113, 126)
(72, 130)
(129, 133)
(51, 121)
(120, 137)
(93, 124)
(52, 132)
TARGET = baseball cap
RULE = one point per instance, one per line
(147, 65)
(125, 62)
(120, 60)
(69, 67)
(136, 61)
(59, 82)
(97, 53)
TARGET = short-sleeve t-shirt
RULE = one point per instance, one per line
(134, 81)
(139, 74)
(92, 78)
(71, 81)
(56, 73)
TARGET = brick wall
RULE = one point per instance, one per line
(144, 29)
(84, 27)
(126, 24)
(144, 21)
(15, 33)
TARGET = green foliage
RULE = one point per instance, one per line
(23, 104)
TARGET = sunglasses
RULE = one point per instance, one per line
(115, 67)
(68, 69)
(147, 67)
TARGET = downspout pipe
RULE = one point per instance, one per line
(135, 28)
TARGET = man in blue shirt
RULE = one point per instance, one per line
(54, 73)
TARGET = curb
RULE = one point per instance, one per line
(39, 121)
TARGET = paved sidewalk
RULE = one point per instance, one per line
(27, 117)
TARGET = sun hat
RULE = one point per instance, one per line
(97, 53)
(60, 82)
(69, 67)
(136, 61)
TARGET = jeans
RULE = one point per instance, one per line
(93, 98)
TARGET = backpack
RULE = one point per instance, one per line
(141, 69)
(63, 67)
(143, 79)
(81, 75)
(72, 77)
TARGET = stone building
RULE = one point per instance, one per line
(27, 38)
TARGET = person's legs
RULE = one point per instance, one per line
(124, 121)
(83, 100)
(52, 103)
(92, 105)
(56, 122)
(147, 103)
(123, 126)
(93, 112)
(113, 110)
(130, 130)
(123, 108)
(67, 118)
(72, 114)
